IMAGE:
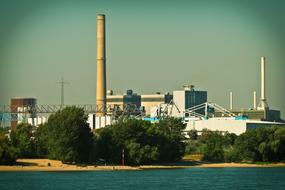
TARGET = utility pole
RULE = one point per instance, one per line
(62, 83)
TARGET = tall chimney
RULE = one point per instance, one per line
(262, 104)
(254, 100)
(101, 67)
(231, 100)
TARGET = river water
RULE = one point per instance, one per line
(190, 178)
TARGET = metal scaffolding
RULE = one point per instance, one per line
(11, 113)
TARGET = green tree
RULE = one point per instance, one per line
(142, 141)
(139, 154)
(41, 140)
(22, 138)
(214, 149)
(170, 138)
(277, 144)
(8, 154)
(69, 136)
(193, 134)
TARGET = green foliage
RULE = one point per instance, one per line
(265, 144)
(171, 139)
(41, 139)
(68, 136)
(141, 154)
(262, 144)
(8, 154)
(193, 134)
(194, 147)
(22, 138)
(214, 147)
(142, 141)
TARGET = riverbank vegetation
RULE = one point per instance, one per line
(67, 137)
(265, 144)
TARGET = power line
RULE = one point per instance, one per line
(62, 83)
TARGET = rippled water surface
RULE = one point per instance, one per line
(192, 178)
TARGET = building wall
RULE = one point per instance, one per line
(260, 115)
(151, 101)
(133, 99)
(229, 124)
(194, 98)
(185, 99)
(179, 100)
(115, 100)
(218, 124)
(97, 122)
(130, 98)
(22, 105)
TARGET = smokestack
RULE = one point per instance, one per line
(254, 100)
(262, 104)
(101, 67)
(231, 100)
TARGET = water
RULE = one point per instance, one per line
(192, 178)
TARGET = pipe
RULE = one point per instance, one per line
(254, 100)
(262, 104)
(231, 100)
(262, 93)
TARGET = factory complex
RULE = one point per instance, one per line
(187, 103)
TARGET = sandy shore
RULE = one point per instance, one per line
(54, 165)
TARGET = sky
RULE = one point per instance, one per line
(152, 45)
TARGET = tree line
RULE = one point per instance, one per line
(264, 144)
(67, 137)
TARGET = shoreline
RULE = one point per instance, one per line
(58, 166)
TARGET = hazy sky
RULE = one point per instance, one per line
(152, 45)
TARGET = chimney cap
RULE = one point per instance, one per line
(100, 16)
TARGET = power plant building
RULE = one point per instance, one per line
(22, 109)
(187, 98)
(149, 101)
(129, 98)
(261, 115)
(236, 125)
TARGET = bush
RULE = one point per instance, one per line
(22, 138)
(8, 154)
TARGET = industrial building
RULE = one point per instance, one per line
(262, 112)
(129, 98)
(189, 104)
(236, 125)
(22, 109)
(261, 115)
(149, 101)
(143, 102)
(236, 121)
(187, 98)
